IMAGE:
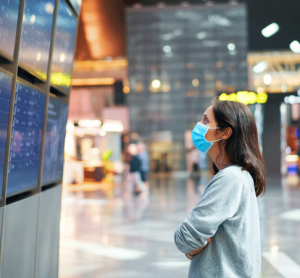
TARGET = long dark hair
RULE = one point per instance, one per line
(242, 146)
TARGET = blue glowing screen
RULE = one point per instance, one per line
(5, 94)
(26, 139)
(55, 141)
(36, 36)
(9, 10)
(64, 46)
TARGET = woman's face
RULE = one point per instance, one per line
(208, 119)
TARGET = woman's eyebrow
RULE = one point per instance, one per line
(204, 115)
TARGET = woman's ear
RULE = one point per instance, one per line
(227, 133)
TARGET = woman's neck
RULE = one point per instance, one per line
(220, 161)
(222, 166)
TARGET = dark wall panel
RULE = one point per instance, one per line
(271, 138)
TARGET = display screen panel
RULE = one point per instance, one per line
(5, 94)
(63, 52)
(26, 139)
(9, 10)
(55, 141)
(36, 36)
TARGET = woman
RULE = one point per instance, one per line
(222, 235)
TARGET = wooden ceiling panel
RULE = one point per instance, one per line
(101, 30)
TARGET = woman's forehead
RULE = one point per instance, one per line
(209, 111)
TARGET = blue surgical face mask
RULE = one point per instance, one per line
(199, 140)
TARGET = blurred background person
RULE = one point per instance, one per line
(134, 182)
(144, 158)
(195, 158)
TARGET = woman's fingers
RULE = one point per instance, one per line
(199, 250)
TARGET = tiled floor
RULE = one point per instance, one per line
(133, 237)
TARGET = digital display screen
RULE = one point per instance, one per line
(55, 141)
(5, 94)
(9, 10)
(64, 46)
(36, 36)
(26, 139)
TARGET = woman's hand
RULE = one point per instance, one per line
(199, 250)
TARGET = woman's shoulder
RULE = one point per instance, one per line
(232, 173)
(229, 170)
(232, 169)
(233, 176)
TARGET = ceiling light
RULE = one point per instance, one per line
(267, 79)
(126, 90)
(260, 67)
(231, 46)
(195, 82)
(201, 35)
(113, 126)
(260, 90)
(156, 83)
(89, 123)
(284, 88)
(295, 46)
(167, 49)
(102, 132)
(270, 30)
(177, 32)
(167, 37)
(219, 20)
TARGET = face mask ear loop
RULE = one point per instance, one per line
(216, 140)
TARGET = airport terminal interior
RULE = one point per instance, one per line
(98, 103)
(134, 237)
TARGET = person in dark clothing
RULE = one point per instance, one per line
(144, 158)
(135, 164)
(134, 175)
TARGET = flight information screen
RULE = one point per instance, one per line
(9, 10)
(55, 141)
(63, 53)
(36, 36)
(5, 93)
(26, 139)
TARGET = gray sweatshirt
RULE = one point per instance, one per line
(228, 214)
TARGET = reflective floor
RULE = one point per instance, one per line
(133, 237)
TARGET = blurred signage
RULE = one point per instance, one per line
(245, 97)
(292, 99)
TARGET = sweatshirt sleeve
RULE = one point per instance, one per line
(219, 202)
